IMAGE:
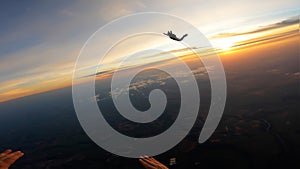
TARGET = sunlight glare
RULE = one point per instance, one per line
(223, 44)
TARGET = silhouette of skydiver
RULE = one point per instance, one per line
(174, 37)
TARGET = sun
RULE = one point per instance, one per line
(223, 44)
(226, 46)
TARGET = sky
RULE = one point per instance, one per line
(40, 40)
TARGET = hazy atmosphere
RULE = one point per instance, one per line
(256, 42)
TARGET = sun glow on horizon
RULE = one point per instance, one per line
(229, 43)
(223, 44)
